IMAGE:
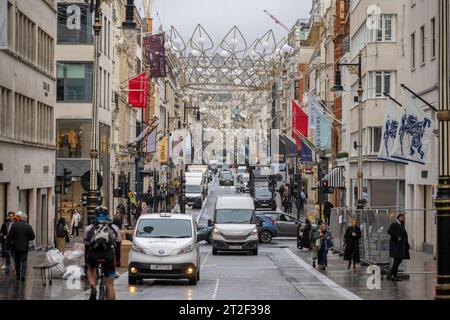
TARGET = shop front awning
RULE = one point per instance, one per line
(336, 178)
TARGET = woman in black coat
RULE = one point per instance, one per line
(351, 242)
(305, 238)
(398, 245)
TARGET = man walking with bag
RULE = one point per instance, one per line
(4, 230)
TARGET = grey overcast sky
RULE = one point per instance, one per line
(219, 16)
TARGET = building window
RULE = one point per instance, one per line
(385, 30)
(46, 125)
(376, 139)
(413, 51)
(380, 82)
(24, 118)
(25, 37)
(10, 26)
(74, 23)
(45, 51)
(433, 38)
(74, 82)
(73, 138)
(422, 45)
(296, 88)
(6, 113)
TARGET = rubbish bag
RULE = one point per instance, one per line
(55, 255)
(74, 258)
(74, 273)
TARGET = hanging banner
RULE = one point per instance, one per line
(390, 132)
(151, 142)
(176, 146)
(314, 108)
(323, 133)
(414, 133)
(155, 55)
(3, 24)
(299, 120)
(163, 151)
(306, 153)
(138, 91)
(187, 148)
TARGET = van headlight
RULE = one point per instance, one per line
(253, 232)
(186, 249)
(138, 249)
(216, 232)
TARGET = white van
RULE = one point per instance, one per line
(235, 227)
(194, 192)
(165, 246)
(202, 177)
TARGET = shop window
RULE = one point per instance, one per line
(73, 139)
(74, 82)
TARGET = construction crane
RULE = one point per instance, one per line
(277, 21)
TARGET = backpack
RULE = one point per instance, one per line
(102, 236)
(60, 231)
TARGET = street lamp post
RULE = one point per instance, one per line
(442, 201)
(338, 88)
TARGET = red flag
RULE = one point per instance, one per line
(138, 91)
(299, 119)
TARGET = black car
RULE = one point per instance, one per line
(264, 199)
(226, 179)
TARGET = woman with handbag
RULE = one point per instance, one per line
(61, 235)
(324, 243)
(351, 243)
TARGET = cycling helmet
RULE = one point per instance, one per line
(101, 214)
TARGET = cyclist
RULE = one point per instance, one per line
(100, 238)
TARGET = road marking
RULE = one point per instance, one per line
(324, 279)
(204, 261)
(216, 289)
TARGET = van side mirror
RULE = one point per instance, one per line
(210, 223)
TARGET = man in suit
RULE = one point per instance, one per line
(398, 245)
(19, 237)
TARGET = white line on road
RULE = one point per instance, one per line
(324, 279)
(204, 261)
(216, 289)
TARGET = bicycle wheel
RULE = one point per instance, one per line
(102, 292)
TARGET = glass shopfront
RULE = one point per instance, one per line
(73, 138)
(72, 201)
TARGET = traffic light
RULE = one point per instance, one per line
(84, 199)
(66, 180)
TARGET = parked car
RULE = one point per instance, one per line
(264, 199)
(268, 229)
(165, 246)
(287, 224)
(226, 179)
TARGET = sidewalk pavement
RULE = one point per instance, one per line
(421, 269)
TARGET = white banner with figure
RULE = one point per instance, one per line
(390, 130)
(3, 24)
(414, 133)
(314, 109)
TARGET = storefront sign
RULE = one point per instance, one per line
(154, 55)
(163, 151)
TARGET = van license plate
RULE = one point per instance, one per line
(236, 247)
(160, 267)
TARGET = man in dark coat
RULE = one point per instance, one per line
(327, 206)
(4, 230)
(351, 243)
(19, 237)
(398, 245)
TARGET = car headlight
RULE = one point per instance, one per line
(186, 249)
(138, 249)
(216, 232)
(253, 232)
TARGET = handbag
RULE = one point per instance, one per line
(67, 238)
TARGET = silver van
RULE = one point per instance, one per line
(234, 225)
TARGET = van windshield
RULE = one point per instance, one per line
(193, 189)
(224, 216)
(164, 228)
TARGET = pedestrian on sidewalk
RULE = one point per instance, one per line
(4, 231)
(19, 237)
(314, 237)
(75, 224)
(286, 199)
(305, 235)
(327, 206)
(351, 244)
(61, 235)
(324, 243)
(162, 199)
(398, 245)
